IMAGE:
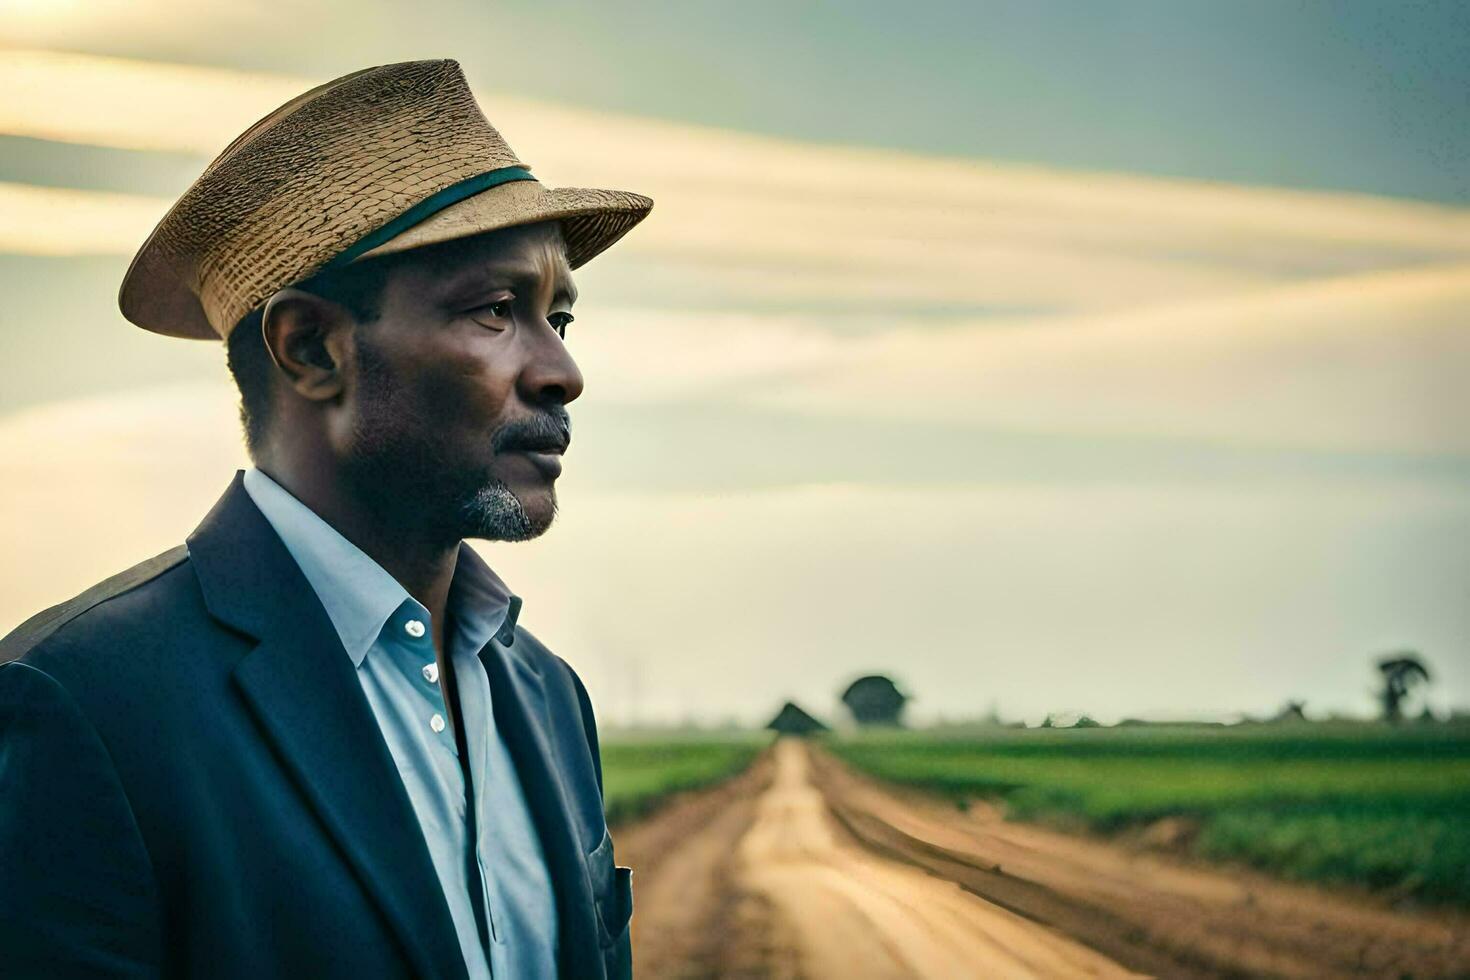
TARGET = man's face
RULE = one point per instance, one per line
(457, 417)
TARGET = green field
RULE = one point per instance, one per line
(639, 772)
(1358, 804)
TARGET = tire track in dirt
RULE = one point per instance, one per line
(690, 919)
(856, 914)
(1157, 915)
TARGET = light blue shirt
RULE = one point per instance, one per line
(390, 638)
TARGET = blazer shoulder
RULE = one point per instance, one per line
(553, 668)
(34, 632)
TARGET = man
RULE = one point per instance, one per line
(315, 740)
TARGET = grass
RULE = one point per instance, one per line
(640, 772)
(1358, 804)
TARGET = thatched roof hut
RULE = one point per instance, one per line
(794, 720)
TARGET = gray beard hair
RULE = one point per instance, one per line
(497, 514)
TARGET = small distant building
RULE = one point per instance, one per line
(792, 719)
(874, 700)
(1291, 711)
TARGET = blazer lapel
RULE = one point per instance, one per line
(303, 689)
(518, 698)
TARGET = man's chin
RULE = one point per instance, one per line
(538, 522)
(499, 513)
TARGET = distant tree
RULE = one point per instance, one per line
(1401, 671)
(874, 700)
(1086, 722)
(1048, 723)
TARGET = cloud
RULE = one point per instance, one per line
(1366, 363)
(60, 221)
(135, 105)
(1370, 362)
(93, 485)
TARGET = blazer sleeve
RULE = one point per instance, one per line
(77, 891)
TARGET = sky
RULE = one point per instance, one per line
(1063, 357)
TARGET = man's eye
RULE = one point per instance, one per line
(498, 310)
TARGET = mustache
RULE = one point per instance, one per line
(537, 433)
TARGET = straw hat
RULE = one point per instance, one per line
(378, 161)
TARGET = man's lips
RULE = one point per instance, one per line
(545, 455)
(555, 447)
(556, 443)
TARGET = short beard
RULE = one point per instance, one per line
(410, 482)
(495, 513)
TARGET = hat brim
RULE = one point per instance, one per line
(592, 219)
(155, 296)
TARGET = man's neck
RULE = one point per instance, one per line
(422, 566)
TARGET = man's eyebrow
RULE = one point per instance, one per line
(521, 274)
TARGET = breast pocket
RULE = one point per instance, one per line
(612, 891)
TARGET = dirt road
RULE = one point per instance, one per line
(802, 868)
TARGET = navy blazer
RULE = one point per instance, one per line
(193, 784)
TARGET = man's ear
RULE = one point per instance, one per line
(310, 339)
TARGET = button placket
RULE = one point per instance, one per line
(420, 648)
(474, 700)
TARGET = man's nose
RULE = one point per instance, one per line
(551, 375)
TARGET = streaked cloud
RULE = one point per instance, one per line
(136, 105)
(1375, 361)
(59, 221)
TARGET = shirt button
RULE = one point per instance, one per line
(414, 628)
(431, 673)
(436, 722)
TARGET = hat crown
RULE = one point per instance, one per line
(325, 169)
(380, 160)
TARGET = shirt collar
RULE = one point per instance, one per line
(360, 596)
(481, 603)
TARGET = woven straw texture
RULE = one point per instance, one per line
(326, 169)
